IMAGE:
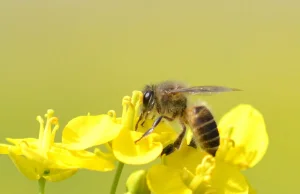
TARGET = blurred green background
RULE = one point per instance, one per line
(84, 56)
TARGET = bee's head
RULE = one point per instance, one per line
(148, 98)
(148, 103)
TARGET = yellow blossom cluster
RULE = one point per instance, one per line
(243, 135)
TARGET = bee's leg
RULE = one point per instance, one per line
(137, 123)
(145, 118)
(177, 143)
(180, 137)
(193, 143)
(143, 115)
(168, 118)
(156, 122)
(168, 149)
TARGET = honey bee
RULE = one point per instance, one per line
(169, 100)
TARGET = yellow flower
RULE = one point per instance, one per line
(244, 139)
(188, 171)
(146, 150)
(43, 159)
(30, 154)
(119, 133)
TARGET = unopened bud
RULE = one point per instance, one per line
(137, 183)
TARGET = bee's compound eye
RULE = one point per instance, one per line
(147, 97)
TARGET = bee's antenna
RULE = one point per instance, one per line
(236, 89)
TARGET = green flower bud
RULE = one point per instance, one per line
(137, 183)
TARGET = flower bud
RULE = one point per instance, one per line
(137, 183)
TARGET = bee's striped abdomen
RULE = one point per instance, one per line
(204, 127)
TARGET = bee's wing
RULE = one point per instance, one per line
(204, 90)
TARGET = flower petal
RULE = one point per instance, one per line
(185, 157)
(34, 166)
(81, 159)
(245, 126)
(54, 175)
(27, 167)
(166, 180)
(228, 179)
(4, 148)
(144, 151)
(31, 141)
(87, 131)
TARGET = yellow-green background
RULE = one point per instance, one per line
(84, 56)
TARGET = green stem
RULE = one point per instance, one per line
(114, 185)
(42, 183)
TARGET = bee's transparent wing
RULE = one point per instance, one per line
(204, 90)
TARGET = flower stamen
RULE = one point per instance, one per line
(48, 139)
(54, 130)
(137, 100)
(225, 145)
(112, 114)
(41, 133)
(46, 133)
(127, 114)
(203, 172)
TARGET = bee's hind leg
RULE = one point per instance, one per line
(193, 144)
(177, 143)
(169, 149)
